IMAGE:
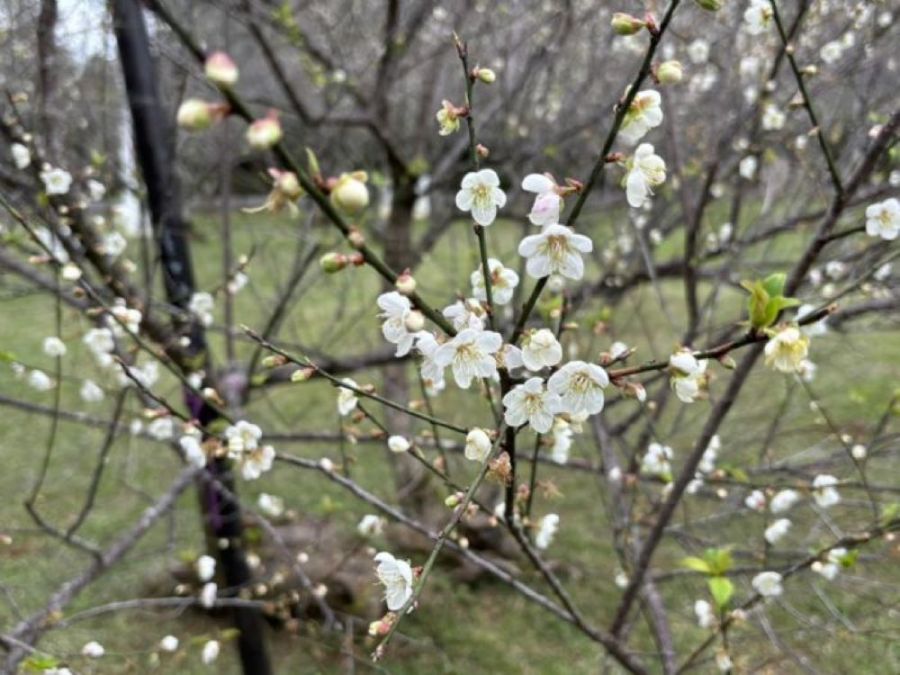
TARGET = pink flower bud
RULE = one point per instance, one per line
(625, 24)
(221, 70)
(405, 283)
(265, 132)
(333, 262)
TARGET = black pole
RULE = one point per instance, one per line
(153, 142)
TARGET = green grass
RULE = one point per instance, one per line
(484, 628)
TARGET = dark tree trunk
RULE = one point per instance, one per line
(221, 512)
(46, 58)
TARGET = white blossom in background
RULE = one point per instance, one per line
(52, 242)
(54, 347)
(346, 398)
(830, 567)
(646, 171)
(96, 190)
(547, 202)
(767, 584)
(93, 650)
(617, 350)
(723, 661)
(208, 595)
(146, 375)
(812, 329)
(201, 305)
(784, 500)
(205, 566)
(210, 652)
(396, 577)
(123, 315)
(546, 531)
(787, 350)
(101, 344)
(688, 374)
(39, 380)
(698, 51)
(480, 193)
(256, 462)
(503, 282)
(478, 445)
(621, 579)
(706, 617)
(773, 119)
(831, 52)
(859, 452)
(747, 167)
(540, 349)
(241, 437)
(557, 249)
(90, 392)
(56, 181)
(395, 309)
(531, 402)
(562, 441)
(579, 385)
(21, 156)
(756, 501)
(193, 451)
(777, 530)
(398, 444)
(271, 505)
(655, 461)
(883, 219)
(758, 17)
(371, 525)
(114, 244)
(162, 428)
(466, 313)
(169, 643)
(469, 355)
(644, 113)
(824, 491)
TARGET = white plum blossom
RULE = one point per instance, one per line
(465, 314)
(56, 181)
(398, 444)
(201, 305)
(832, 564)
(756, 501)
(193, 450)
(758, 17)
(723, 661)
(540, 349)
(101, 344)
(21, 155)
(114, 244)
(161, 429)
(208, 595)
(90, 392)
(531, 402)
(146, 375)
(824, 491)
(698, 51)
(242, 437)
(562, 441)
(579, 385)
(831, 52)
(883, 219)
(706, 618)
(767, 584)
(688, 374)
(39, 380)
(859, 452)
(812, 329)
(747, 167)
(618, 350)
(271, 505)
(784, 500)
(646, 171)
(432, 373)
(655, 461)
(93, 650)
(478, 445)
(547, 529)
(371, 525)
(256, 462)
(503, 282)
(644, 113)
(210, 652)
(169, 643)
(96, 190)
(396, 577)
(773, 119)
(547, 204)
(787, 350)
(557, 249)
(480, 193)
(470, 354)
(205, 567)
(54, 347)
(395, 308)
(346, 399)
(777, 530)
(122, 315)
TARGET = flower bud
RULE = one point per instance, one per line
(482, 151)
(486, 75)
(405, 283)
(273, 361)
(265, 132)
(356, 238)
(454, 500)
(333, 262)
(625, 24)
(221, 70)
(711, 5)
(302, 374)
(670, 72)
(415, 321)
(286, 183)
(350, 194)
(194, 115)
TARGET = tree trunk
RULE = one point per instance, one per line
(221, 512)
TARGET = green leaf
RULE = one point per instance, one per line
(849, 559)
(7, 357)
(774, 284)
(757, 304)
(38, 663)
(696, 564)
(719, 560)
(722, 589)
